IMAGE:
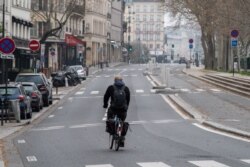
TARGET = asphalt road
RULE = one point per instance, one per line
(74, 134)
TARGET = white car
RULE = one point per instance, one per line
(80, 71)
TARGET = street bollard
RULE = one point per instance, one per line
(66, 82)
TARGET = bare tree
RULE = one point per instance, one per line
(54, 14)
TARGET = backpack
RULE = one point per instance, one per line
(119, 101)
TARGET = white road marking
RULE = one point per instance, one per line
(85, 125)
(51, 116)
(215, 90)
(246, 160)
(31, 158)
(48, 128)
(1, 164)
(140, 69)
(165, 121)
(208, 163)
(21, 141)
(79, 93)
(139, 91)
(104, 165)
(82, 88)
(137, 122)
(106, 76)
(70, 99)
(98, 76)
(153, 164)
(152, 90)
(185, 90)
(134, 75)
(220, 133)
(200, 90)
(94, 92)
(59, 108)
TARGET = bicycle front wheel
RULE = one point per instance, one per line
(111, 141)
(117, 144)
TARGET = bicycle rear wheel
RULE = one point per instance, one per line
(111, 141)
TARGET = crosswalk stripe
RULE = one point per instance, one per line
(246, 160)
(185, 90)
(104, 165)
(209, 163)
(154, 164)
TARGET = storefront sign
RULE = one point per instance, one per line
(72, 40)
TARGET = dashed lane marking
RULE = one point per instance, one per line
(103, 165)
(59, 108)
(31, 158)
(153, 164)
(48, 128)
(185, 90)
(94, 92)
(21, 141)
(209, 163)
(139, 91)
(200, 90)
(51, 116)
(79, 93)
(85, 125)
(215, 90)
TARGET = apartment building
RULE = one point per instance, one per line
(145, 22)
(64, 46)
(17, 21)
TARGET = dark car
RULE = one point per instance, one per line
(34, 94)
(42, 83)
(16, 91)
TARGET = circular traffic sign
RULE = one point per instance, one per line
(191, 40)
(234, 33)
(7, 45)
(34, 45)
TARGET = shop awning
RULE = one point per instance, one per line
(73, 41)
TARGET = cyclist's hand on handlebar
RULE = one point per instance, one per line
(105, 106)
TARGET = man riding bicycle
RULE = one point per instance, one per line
(120, 98)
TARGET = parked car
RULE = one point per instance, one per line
(43, 84)
(34, 94)
(17, 91)
(81, 71)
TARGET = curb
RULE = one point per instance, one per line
(195, 114)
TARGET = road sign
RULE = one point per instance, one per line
(34, 45)
(234, 42)
(190, 46)
(7, 45)
(191, 40)
(234, 33)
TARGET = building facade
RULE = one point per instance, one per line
(145, 25)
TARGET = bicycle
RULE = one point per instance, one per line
(116, 137)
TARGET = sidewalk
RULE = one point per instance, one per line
(234, 120)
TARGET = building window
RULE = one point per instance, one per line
(144, 17)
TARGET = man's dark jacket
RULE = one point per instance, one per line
(110, 93)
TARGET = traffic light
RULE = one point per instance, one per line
(130, 48)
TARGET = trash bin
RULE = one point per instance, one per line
(14, 107)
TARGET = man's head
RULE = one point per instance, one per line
(118, 78)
